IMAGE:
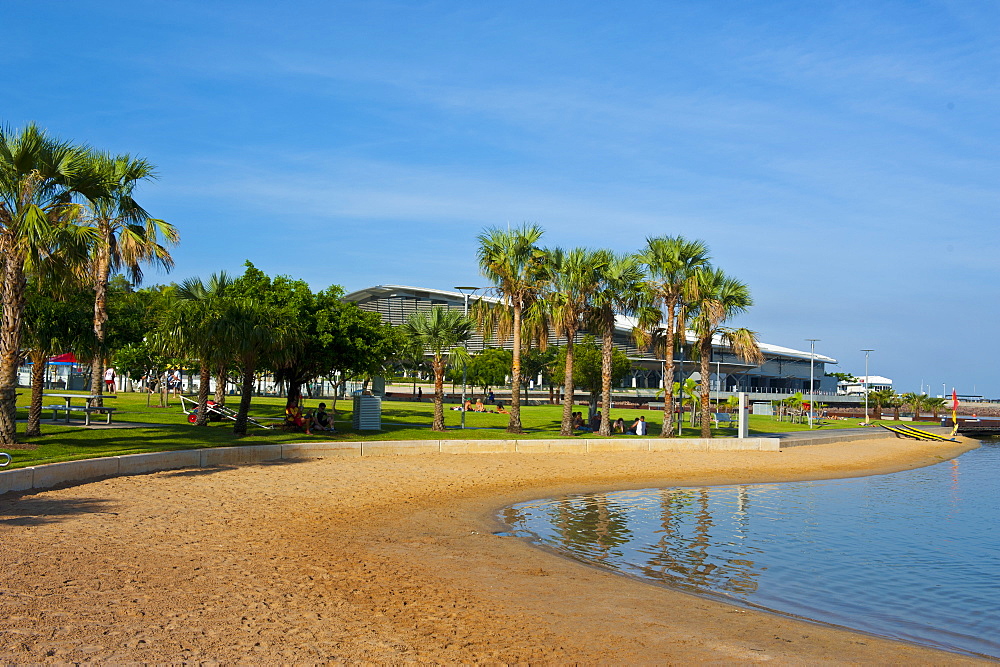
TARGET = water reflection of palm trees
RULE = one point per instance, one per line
(591, 526)
(689, 554)
(701, 541)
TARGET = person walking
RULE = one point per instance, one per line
(109, 380)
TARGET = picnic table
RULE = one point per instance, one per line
(87, 409)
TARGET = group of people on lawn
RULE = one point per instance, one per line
(638, 427)
(315, 420)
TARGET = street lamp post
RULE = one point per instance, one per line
(866, 382)
(812, 394)
(466, 293)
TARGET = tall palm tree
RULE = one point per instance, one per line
(439, 330)
(717, 298)
(671, 262)
(878, 399)
(573, 280)
(935, 404)
(512, 261)
(127, 237)
(39, 176)
(619, 292)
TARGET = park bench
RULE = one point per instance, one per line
(723, 419)
(87, 411)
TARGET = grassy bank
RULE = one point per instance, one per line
(166, 428)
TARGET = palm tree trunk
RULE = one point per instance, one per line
(246, 392)
(34, 426)
(221, 380)
(607, 343)
(438, 424)
(12, 293)
(668, 375)
(204, 377)
(514, 424)
(706, 359)
(567, 415)
(100, 317)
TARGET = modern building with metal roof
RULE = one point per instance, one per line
(784, 371)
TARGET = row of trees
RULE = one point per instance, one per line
(669, 288)
(888, 398)
(68, 220)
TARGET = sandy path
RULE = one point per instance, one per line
(385, 560)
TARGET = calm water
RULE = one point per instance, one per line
(912, 555)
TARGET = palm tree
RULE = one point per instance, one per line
(671, 262)
(512, 261)
(619, 293)
(878, 399)
(127, 237)
(573, 280)
(935, 404)
(211, 295)
(191, 328)
(717, 298)
(439, 330)
(917, 402)
(252, 332)
(38, 178)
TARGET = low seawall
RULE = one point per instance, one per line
(36, 478)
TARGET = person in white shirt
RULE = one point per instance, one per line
(109, 380)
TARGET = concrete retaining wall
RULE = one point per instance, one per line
(53, 474)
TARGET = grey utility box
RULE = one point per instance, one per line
(367, 413)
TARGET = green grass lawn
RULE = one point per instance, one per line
(401, 420)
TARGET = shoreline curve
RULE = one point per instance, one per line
(389, 559)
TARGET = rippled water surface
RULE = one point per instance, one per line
(912, 555)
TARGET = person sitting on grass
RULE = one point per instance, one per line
(322, 420)
(468, 405)
(578, 422)
(595, 421)
(638, 426)
(294, 419)
(619, 425)
(500, 409)
(479, 405)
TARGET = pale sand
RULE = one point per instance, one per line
(387, 560)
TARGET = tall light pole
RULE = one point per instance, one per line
(866, 382)
(812, 365)
(466, 293)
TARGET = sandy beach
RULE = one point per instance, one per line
(388, 560)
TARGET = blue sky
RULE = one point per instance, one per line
(840, 157)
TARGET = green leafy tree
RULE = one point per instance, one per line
(490, 368)
(588, 368)
(717, 298)
(671, 262)
(51, 326)
(512, 261)
(440, 330)
(537, 362)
